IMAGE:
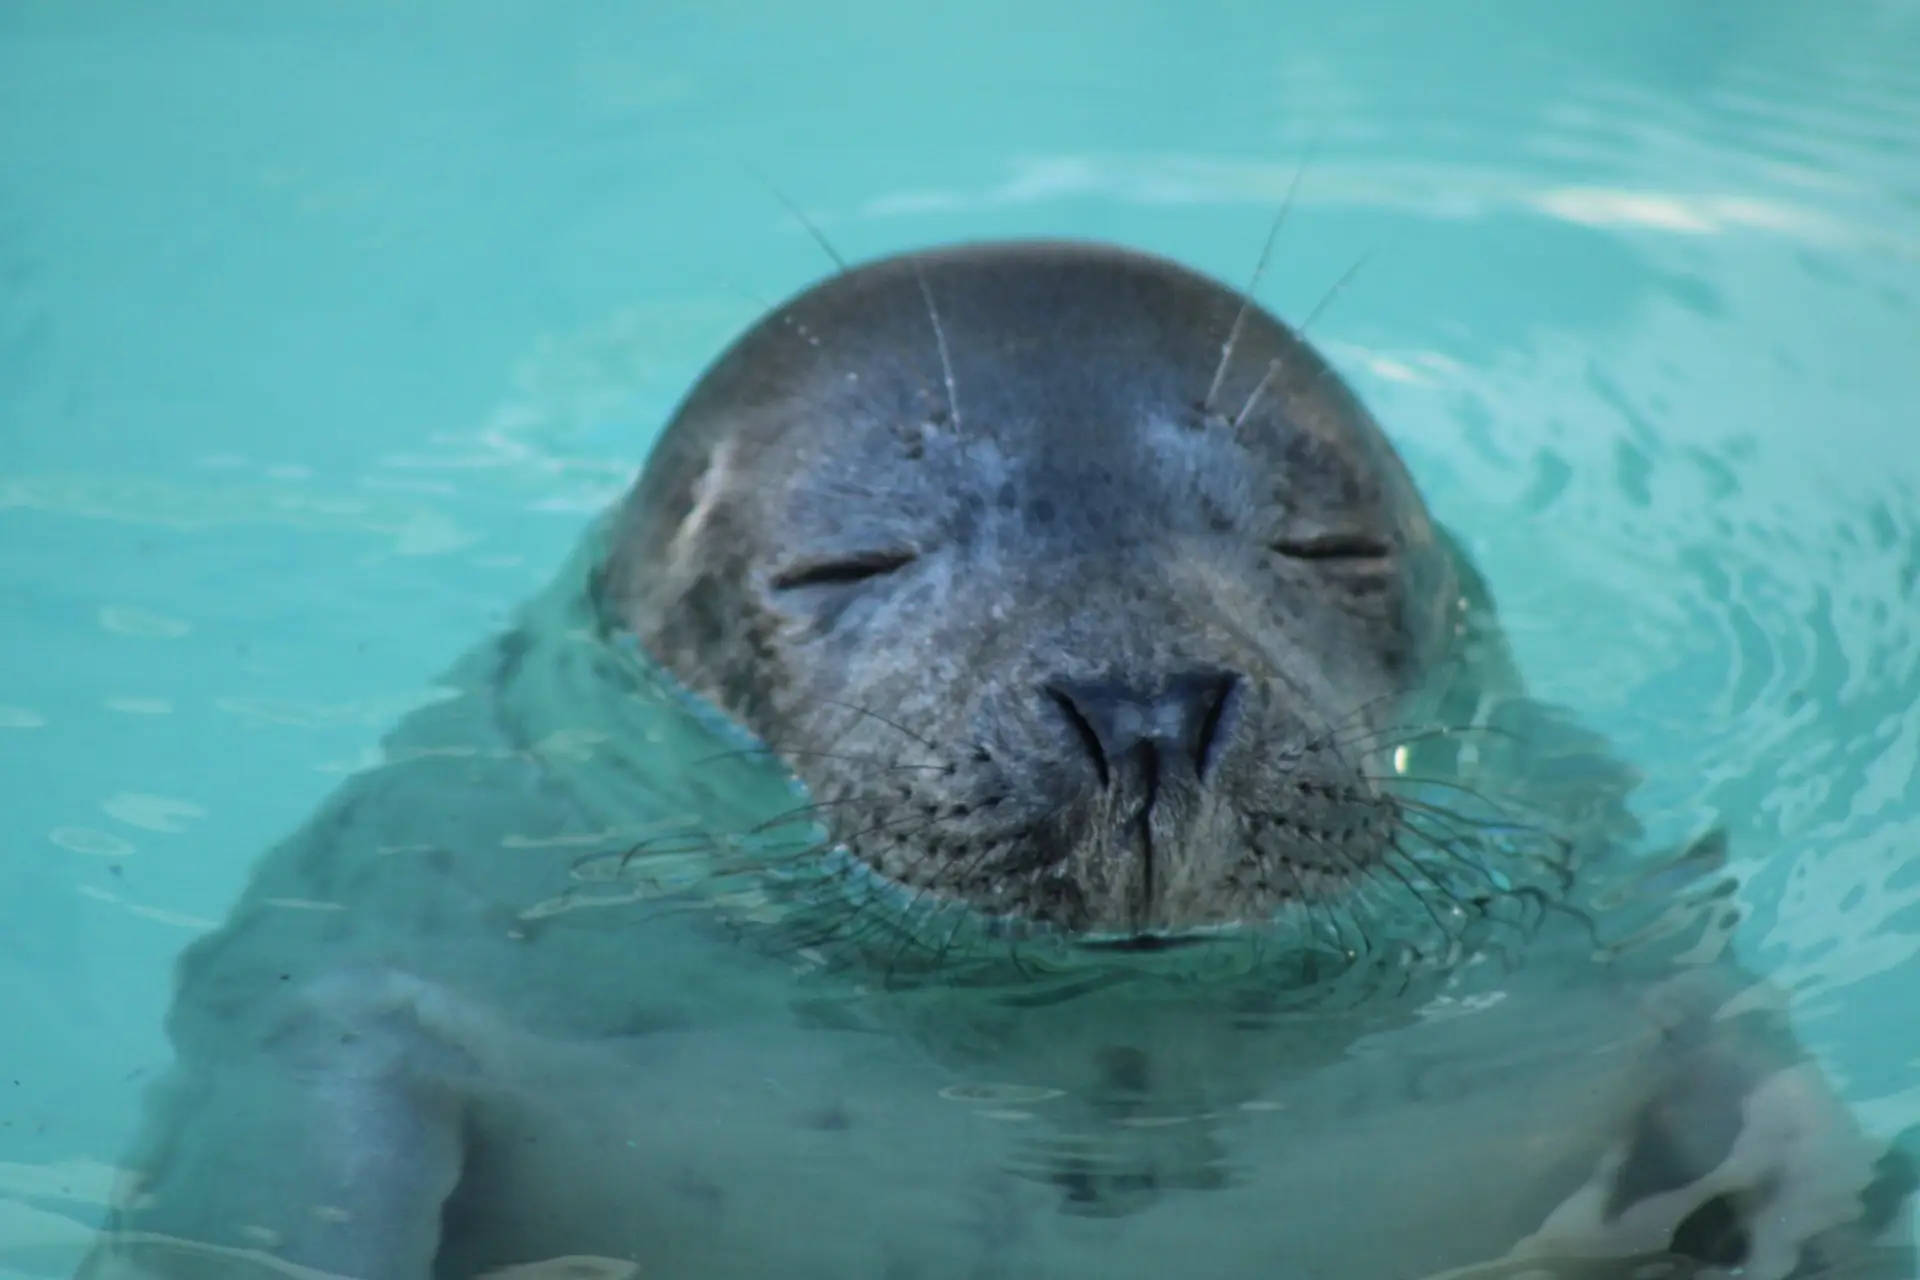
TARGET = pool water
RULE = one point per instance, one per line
(325, 328)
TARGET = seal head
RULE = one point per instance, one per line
(1076, 588)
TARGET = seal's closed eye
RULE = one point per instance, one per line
(1332, 546)
(843, 571)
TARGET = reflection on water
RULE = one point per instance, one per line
(323, 335)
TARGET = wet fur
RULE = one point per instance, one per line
(1056, 506)
(429, 1044)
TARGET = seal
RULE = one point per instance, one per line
(1022, 786)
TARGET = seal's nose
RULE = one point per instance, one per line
(1181, 722)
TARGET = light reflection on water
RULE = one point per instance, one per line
(323, 334)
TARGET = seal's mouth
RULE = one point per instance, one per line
(1141, 943)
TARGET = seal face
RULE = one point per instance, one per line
(1077, 589)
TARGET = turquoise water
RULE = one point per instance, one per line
(325, 328)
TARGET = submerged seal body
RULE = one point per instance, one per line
(1131, 920)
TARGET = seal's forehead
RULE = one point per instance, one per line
(1063, 362)
(988, 335)
(1026, 332)
(1005, 337)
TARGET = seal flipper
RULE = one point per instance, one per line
(312, 1123)
(1742, 1159)
(331, 1152)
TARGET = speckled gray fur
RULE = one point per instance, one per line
(1076, 517)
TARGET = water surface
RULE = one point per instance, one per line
(325, 328)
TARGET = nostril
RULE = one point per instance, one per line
(1183, 722)
(1082, 727)
(1215, 702)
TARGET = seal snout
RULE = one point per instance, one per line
(1168, 728)
(1148, 749)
